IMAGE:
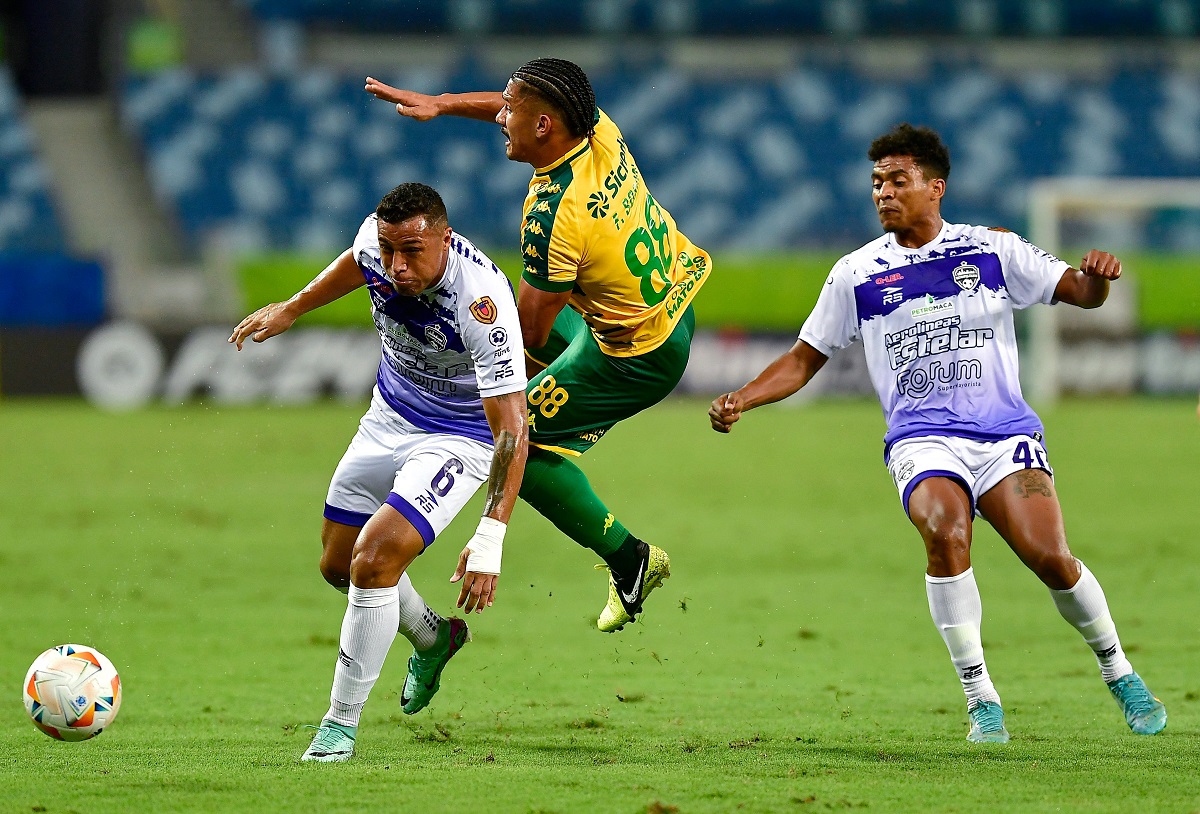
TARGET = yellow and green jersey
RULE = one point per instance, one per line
(591, 227)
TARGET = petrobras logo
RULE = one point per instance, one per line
(966, 276)
(931, 306)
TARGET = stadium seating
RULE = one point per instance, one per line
(1038, 18)
(263, 162)
(28, 222)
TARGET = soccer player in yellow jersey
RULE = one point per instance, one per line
(604, 300)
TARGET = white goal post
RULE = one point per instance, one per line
(1052, 200)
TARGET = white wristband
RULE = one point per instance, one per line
(486, 547)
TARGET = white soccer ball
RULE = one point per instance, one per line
(72, 692)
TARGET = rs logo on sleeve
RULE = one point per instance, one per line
(484, 310)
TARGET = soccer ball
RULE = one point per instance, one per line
(72, 692)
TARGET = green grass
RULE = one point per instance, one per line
(789, 665)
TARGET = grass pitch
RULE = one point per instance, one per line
(789, 664)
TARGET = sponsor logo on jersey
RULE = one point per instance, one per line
(434, 338)
(498, 336)
(888, 279)
(534, 227)
(932, 306)
(893, 295)
(484, 310)
(531, 251)
(597, 204)
(966, 276)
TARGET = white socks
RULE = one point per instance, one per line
(418, 622)
(372, 617)
(957, 612)
(1086, 609)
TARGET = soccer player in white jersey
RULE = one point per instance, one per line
(447, 414)
(933, 304)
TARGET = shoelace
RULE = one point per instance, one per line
(988, 717)
(1135, 696)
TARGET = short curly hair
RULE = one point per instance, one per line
(412, 199)
(922, 143)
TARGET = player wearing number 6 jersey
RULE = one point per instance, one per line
(604, 299)
(448, 414)
(932, 303)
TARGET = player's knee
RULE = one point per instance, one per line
(335, 571)
(947, 542)
(379, 561)
(1058, 569)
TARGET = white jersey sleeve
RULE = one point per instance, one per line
(492, 334)
(1030, 274)
(833, 323)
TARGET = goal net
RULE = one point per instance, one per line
(1150, 223)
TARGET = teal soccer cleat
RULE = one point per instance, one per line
(425, 667)
(987, 723)
(333, 743)
(1144, 713)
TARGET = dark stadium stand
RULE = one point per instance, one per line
(28, 222)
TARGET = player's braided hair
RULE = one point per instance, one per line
(566, 87)
(922, 143)
(412, 199)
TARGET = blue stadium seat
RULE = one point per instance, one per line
(762, 164)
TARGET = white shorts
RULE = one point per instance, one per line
(427, 477)
(977, 465)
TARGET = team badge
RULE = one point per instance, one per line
(484, 310)
(434, 338)
(966, 276)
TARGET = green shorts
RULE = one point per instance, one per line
(583, 391)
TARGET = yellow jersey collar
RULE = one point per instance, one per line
(570, 156)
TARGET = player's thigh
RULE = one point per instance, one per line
(584, 391)
(364, 475)
(439, 474)
(1021, 503)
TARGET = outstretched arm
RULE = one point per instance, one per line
(479, 562)
(423, 107)
(337, 280)
(1087, 286)
(784, 376)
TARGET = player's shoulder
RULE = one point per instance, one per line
(367, 237)
(864, 260)
(476, 274)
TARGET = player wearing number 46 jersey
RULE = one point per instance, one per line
(448, 413)
(933, 304)
(604, 299)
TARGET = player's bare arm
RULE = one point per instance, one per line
(423, 107)
(337, 280)
(479, 562)
(780, 379)
(1087, 286)
(538, 310)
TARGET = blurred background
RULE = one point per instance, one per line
(166, 166)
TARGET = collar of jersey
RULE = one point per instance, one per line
(920, 249)
(565, 159)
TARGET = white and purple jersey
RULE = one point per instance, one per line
(448, 347)
(937, 326)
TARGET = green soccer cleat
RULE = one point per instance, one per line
(425, 667)
(333, 743)
(1144, 713)
(987, 723)
(624, 606)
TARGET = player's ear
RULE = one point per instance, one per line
(937, 188)
(545, 125)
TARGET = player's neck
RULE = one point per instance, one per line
(554, 151)
(919, 234)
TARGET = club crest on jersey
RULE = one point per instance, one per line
(966, 276)
(434, 338)
(484, 310)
